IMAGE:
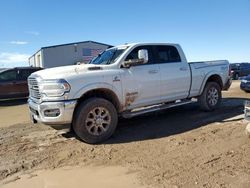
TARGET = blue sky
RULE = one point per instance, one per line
(206, 29)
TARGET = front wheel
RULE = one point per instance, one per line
(95, 120)
(210, 98)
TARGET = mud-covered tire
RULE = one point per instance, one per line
(95, 120)
(210, 98)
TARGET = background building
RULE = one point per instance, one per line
(67, 54)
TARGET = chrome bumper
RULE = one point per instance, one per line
(44, 112)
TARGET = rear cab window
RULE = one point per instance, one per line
(167, 54)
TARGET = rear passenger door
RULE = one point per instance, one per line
(174, 73)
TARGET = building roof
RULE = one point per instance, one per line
(89, 41)
(72, 43)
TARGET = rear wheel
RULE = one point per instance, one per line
(95, 120)
(210, 98)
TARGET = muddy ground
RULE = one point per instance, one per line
(179, 147)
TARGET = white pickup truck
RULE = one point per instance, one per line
(126, 81)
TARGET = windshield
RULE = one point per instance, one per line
(107, 57)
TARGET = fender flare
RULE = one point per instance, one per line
(208, 75)
(99, 86)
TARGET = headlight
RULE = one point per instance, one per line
(54, 88)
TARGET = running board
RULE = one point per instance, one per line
(154, 108)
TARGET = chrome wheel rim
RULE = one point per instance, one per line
(213, 96)
(98, 121)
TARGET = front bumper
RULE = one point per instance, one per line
(52, 112)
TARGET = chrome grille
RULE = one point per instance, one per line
(34, 88)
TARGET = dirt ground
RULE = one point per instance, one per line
(108, 177)
(14, 112)
(178, 147)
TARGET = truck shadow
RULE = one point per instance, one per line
(174, 121)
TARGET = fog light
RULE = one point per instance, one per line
(247, 110)
(52, 112)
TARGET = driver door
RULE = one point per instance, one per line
(141, 83)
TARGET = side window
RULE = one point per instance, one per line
(23, 74)
(241, 67)
(8, 75)
(167, 54)
(134, 54)
(248, 66)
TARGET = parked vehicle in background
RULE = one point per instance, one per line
(245, 83)
(127, 80)
(13, 82)
(239, 70)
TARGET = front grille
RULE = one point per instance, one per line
(34, 88)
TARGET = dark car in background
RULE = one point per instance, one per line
(239, 70)
(245, 83)
(13, 82)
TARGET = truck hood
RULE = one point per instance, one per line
(65, 71)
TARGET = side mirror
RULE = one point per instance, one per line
(143, 55)
(142, 59)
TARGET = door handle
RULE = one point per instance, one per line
(153, 71)
(183, 68)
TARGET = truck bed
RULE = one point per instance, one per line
(202, 70)
(202, 64)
